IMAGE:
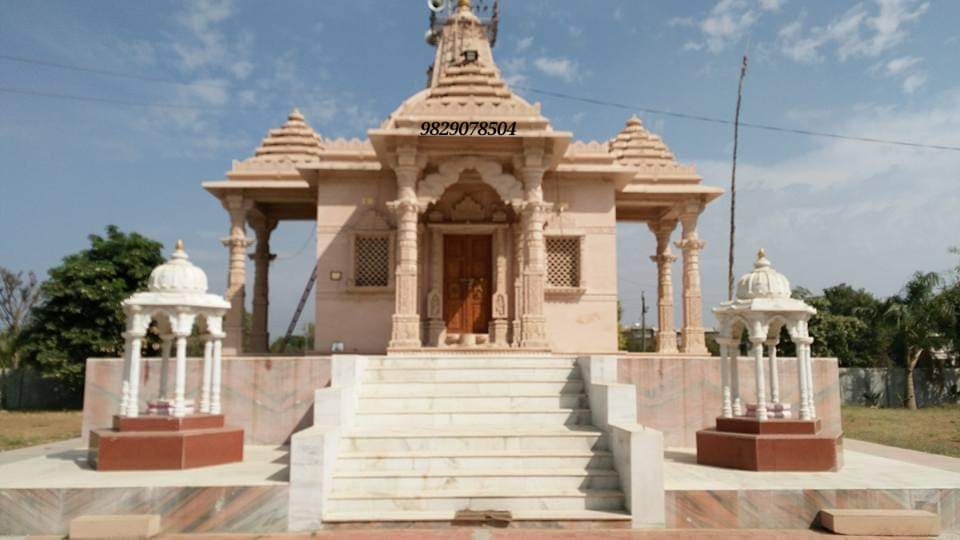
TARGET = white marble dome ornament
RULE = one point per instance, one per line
(763, 281)
(178, 275)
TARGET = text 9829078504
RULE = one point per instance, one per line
(463, 129)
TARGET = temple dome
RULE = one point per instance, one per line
(763, 281)
(295, 138)
(635, 145)
(178, 275)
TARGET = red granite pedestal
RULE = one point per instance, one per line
(148, 443)
(776, 444)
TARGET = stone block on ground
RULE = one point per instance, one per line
(880, 522)
(119, 526)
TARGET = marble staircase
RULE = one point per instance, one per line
(432, 435)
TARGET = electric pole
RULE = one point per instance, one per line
(643, 322)
(733, 180)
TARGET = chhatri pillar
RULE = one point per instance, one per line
(238, 243)
(666, 335)
(691, 244)
(406, 317)
(262, 226)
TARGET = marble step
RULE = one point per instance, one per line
(476, 480)
(472, 403)
(500, 499)
(518, 515)
(488, 374)
(473, 459)
(494, 362)
(571, 438)
(471, 388)
(438, 418)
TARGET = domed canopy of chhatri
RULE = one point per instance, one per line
(177, 282)
(763, 289)
(763, 281)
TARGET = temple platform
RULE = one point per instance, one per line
(41, 494)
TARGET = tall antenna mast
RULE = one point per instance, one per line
(733, 180)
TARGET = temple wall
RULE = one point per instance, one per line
(361, 320)
(681, 395)
(269, 397)
(587, 321)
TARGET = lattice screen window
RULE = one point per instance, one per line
(371, 262)
(563, 261)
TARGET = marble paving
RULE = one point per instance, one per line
(40, 495)
(699, 496)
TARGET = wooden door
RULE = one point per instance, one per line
(467, 287)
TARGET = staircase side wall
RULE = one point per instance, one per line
(680, 395)
(269, 397)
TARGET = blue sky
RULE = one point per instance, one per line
(826, 210)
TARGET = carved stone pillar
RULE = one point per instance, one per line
(238, 243)
(691, 244)
(500, 311)
(406, 318)
(666, 335)
(534, 323)
(259, 334)
(436, 327)
(517, 324)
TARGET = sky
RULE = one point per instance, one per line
(827, 210)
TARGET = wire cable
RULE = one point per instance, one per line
(766, 127)
(92, 99)
(100, 71)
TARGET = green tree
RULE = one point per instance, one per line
(920, 318)
(80, 314)
(18, 295)
(847, 326)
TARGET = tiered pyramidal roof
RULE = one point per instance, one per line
(295, 139)
(634, 145)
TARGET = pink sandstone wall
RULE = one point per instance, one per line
(358, 319)
(587, 321)
(269, 398)
(681, 395)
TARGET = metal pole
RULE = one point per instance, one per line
(643, 322)
(733, 180)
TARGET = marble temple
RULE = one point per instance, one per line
(466, 348)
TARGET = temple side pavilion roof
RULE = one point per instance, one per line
(650, 181)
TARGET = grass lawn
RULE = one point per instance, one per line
(18, 428)
(931, 429)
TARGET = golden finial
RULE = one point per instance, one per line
(761, 254)
(179, 245)
(463, 4)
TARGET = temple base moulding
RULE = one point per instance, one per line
(149, 443)
(769, 445)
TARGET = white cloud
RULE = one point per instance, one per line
(906, 68)
(241, 69)
(913, 82)
(575, 31)
(771, 5)
(562, 68)
(727, 23)
(898, 66)
(855, 33)
(524, 43)
(514, 71)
